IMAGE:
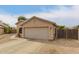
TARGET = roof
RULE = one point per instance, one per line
(53, 23)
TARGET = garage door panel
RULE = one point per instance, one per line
(36, 33)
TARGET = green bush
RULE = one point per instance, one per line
(61, 27)
(7, 29)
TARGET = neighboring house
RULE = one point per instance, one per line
(1, 29)
(36, 28)
(2, 25)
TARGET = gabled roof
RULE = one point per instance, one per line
(38, 19)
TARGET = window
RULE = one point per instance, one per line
(20, 30)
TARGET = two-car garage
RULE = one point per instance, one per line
(36, 33)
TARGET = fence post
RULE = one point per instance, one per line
(56, 33)
(66, 33)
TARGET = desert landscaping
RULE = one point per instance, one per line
(10, 44)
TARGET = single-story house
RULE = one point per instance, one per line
(36, 28)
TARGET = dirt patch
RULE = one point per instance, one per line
(23, 46)
(5, 38)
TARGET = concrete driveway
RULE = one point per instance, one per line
(23, 46)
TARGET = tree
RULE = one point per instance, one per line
(7, 29)
(61, 27)
(21, 18)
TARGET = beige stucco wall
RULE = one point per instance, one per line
(37, 23)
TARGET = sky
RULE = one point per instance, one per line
(67, 15)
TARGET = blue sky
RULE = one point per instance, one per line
(23, 9)
(61, 14)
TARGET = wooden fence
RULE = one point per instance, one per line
(67, 33)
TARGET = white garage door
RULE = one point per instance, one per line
(36, 33)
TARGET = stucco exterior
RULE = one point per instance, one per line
(36, 24)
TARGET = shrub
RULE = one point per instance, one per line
(7, 29)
